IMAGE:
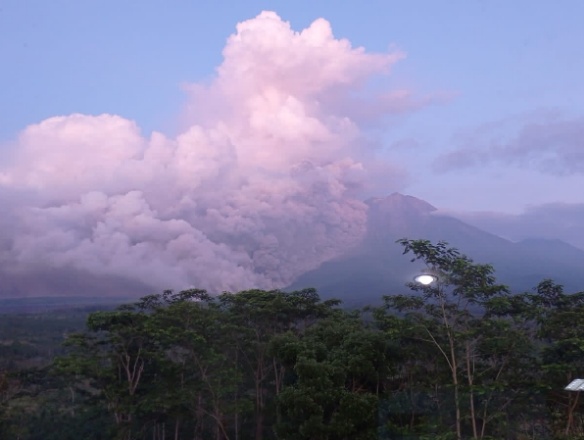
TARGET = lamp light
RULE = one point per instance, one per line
(425, 279)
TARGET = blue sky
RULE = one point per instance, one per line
(502, 58)
(490, 124)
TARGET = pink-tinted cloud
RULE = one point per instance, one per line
(266, 52)
(267, 63)
(75, 150)
(262, 185)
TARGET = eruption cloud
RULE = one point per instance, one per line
(261, 186)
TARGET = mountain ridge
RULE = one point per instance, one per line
(378, 267)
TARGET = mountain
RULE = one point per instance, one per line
(46, 282)
(378, 267)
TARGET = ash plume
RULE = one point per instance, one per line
(263, 184)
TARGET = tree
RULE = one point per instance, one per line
(255, 317)
(449, 315)
(113, 356)
(333, 390)
(558, 319)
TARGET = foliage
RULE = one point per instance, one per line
(460, 358)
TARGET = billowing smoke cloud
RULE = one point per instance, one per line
(262, 185)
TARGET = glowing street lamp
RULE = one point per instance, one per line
(425, 279)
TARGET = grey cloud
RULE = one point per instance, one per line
(552, 146)
(563, 221)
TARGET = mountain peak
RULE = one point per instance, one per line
(397, 202)
(401, 214)
(377, 267)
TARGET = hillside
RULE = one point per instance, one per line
(378, 267)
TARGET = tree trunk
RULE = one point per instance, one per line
(572, 404)
(469, 372)
(454, 370)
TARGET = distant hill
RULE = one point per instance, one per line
(60, 303)
(377, 266)
(48, 282)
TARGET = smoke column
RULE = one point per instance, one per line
(263, 185)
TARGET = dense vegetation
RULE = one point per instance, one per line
(460, 358)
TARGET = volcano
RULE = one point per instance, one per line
(378, 267)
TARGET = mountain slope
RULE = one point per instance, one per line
(377, 266)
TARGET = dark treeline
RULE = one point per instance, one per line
(461, 358)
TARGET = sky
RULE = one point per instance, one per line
(143, 139)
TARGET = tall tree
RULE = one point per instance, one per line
(560, 330)
(448, 315)
(333, 390)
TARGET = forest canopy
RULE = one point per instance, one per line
(459, 358)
